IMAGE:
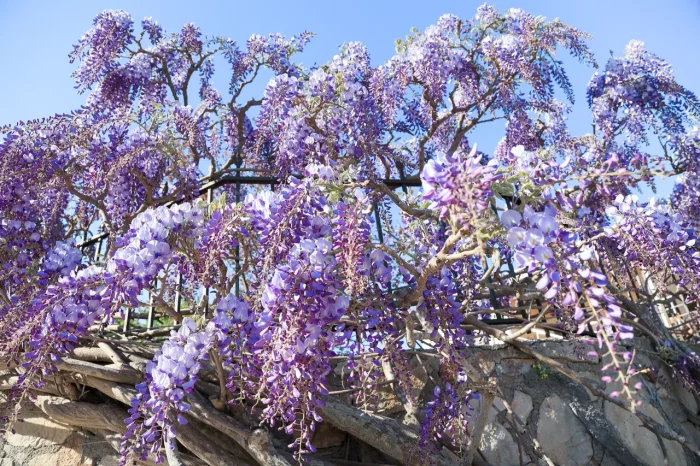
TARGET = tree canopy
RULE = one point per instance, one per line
(384, 231)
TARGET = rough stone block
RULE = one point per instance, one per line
(640, 441)
(569, 351)
(38, 431)
(498, 446)
(522, 405)
(561, 435)
(70, 454)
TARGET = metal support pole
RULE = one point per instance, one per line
(98, 248)
(151, 311)
(127, 320)
(238, 248)
(380, 233)
(210, 194)
(178, 294)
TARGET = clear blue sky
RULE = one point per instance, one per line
(36, 37)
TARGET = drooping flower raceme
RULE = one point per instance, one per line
(94, 295)
(459, 184)
(658, 240)
(531, 240)
(305, 296)
(447, 415)
(161, 399)
(63, 258)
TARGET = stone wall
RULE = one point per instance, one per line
(561, 419)
(557, 421)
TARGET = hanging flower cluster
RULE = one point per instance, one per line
(459, 183)
(161, 398)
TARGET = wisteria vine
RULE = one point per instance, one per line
(274, 284)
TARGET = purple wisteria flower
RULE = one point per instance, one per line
(161, 399)
(459, 183)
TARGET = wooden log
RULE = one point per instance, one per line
(114, 372)
(90, 354)
(114, 439)
(117, 380)
(386, 435)
(203, 412)
(111, 418)
(51, 386)
(81, 414)
(257, 443)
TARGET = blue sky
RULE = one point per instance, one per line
(36, 37)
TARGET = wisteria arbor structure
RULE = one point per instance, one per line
(209, 259)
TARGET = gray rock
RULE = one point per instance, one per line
(495, 409)
(640, 441)
(692, 433)
(667, 402)
(498, 404)
(593, 418)
(609, 460)
(498, 446)
(569, 351)
(561, 435)
(594, 379)
(483, 363)
(522, 405)
(341, 369)
(108, 461)
(686, 398)
(38, 431)
(421, 369)
(514, 367)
